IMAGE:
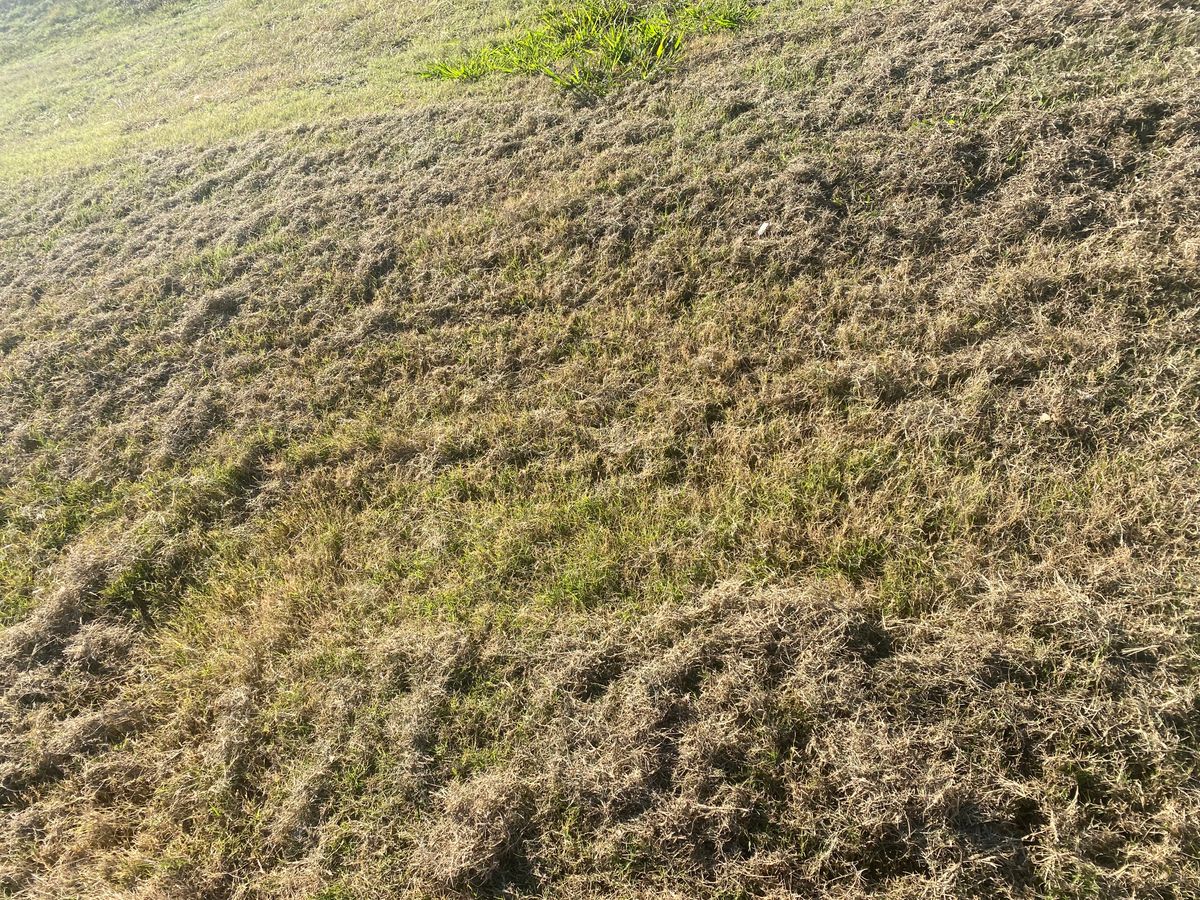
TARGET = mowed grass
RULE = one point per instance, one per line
(89, 81)
(774, 476)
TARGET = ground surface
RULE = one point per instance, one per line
(414, 488)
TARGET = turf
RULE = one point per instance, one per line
(774, 476)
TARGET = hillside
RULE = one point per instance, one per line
(765, 465)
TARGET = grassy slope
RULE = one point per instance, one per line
(461, 495)
(84, 79)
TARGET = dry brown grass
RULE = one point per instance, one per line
(470, 500)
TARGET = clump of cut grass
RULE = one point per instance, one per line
(588, 47)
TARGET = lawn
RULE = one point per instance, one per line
(602, 449)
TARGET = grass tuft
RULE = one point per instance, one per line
(589, 47)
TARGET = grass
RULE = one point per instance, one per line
(422, 487)
(97, 81)
(590, 46)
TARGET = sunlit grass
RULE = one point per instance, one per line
(109, 86)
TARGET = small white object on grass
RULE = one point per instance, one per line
(763, 229)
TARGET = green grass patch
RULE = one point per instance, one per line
(588, 47)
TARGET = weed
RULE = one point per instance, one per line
(588, 47)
